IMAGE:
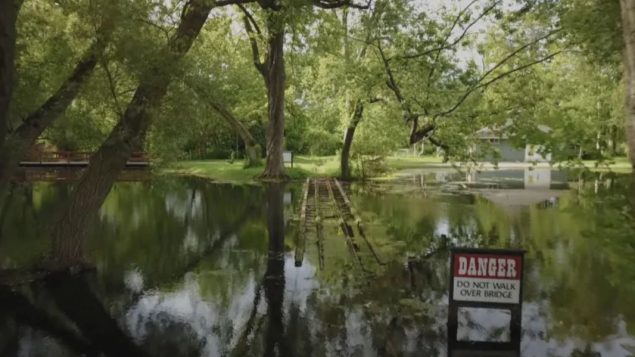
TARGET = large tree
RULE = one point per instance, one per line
(628, 28)
(429, 83)
(19, 141)
(46, 88)
(8, 16)
(127, 136)
(272, 68)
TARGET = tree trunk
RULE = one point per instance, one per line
(345, 170)
(128, 135)
(628, 28)
(417, 134)
(275, 82)
(8, 15)
(20, 141)
(252, 149)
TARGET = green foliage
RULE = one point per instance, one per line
(577, 100)
(333, 62)
(595, 26)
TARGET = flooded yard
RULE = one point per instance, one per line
(188, 267)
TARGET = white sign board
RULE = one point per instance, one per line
(287, 157)
(487, 278)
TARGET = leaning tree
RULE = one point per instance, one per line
(422, 70)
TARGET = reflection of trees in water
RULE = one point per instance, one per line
(587, 269)
(398, 312)
(276, 344)
(180, 229)
(63, 305)
(72, 306)
(335, 321)
(579, 267)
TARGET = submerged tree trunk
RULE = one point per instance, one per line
(345, 170)
(18, 142)
(275, 82)
(628, 28)
(128, 136)
(252, 149)
(8, 16)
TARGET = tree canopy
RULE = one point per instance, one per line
(321, 77)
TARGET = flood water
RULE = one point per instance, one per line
(188, 267)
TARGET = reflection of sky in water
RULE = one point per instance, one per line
(211, 306)
(205, 316)
(536, 321)
(477, 324)
(442, 227)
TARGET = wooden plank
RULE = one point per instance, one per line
(300, 240)
(358, 221)
(349, 239)
(318, 225)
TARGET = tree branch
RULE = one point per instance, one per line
(444, 44)
(112, 86)
(55, 105)
(255, 52)
(455, 42)
(251, 19)
(334, 4)
(224, 112)
(417, 134)
(390, 82)
(440, 144)
(517, 51)
(487, 83)
(219, 3)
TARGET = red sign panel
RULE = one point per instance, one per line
(487, 266)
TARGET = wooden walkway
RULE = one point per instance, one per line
(324, 200)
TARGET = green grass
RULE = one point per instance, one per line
(223, 171)
(410, 162)
(618, 164)
(317, 166)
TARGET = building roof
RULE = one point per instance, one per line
(498, 132)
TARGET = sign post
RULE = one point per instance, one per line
(489, 279)
(287, 158)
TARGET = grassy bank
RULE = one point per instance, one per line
(223, 171)
(303, 167)
(311, 166)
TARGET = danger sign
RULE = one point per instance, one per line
(490, 278)
(485, 279)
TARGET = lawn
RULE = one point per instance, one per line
(618, 164)
(223, 171)
(314, 166)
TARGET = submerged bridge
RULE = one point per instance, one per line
(76, 159)
(325, 201)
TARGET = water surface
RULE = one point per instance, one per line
(187, 267)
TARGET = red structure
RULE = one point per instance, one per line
(75, 159)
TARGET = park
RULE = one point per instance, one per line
(317, 178)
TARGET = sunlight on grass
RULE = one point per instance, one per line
(223, 171)
(319, 166)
